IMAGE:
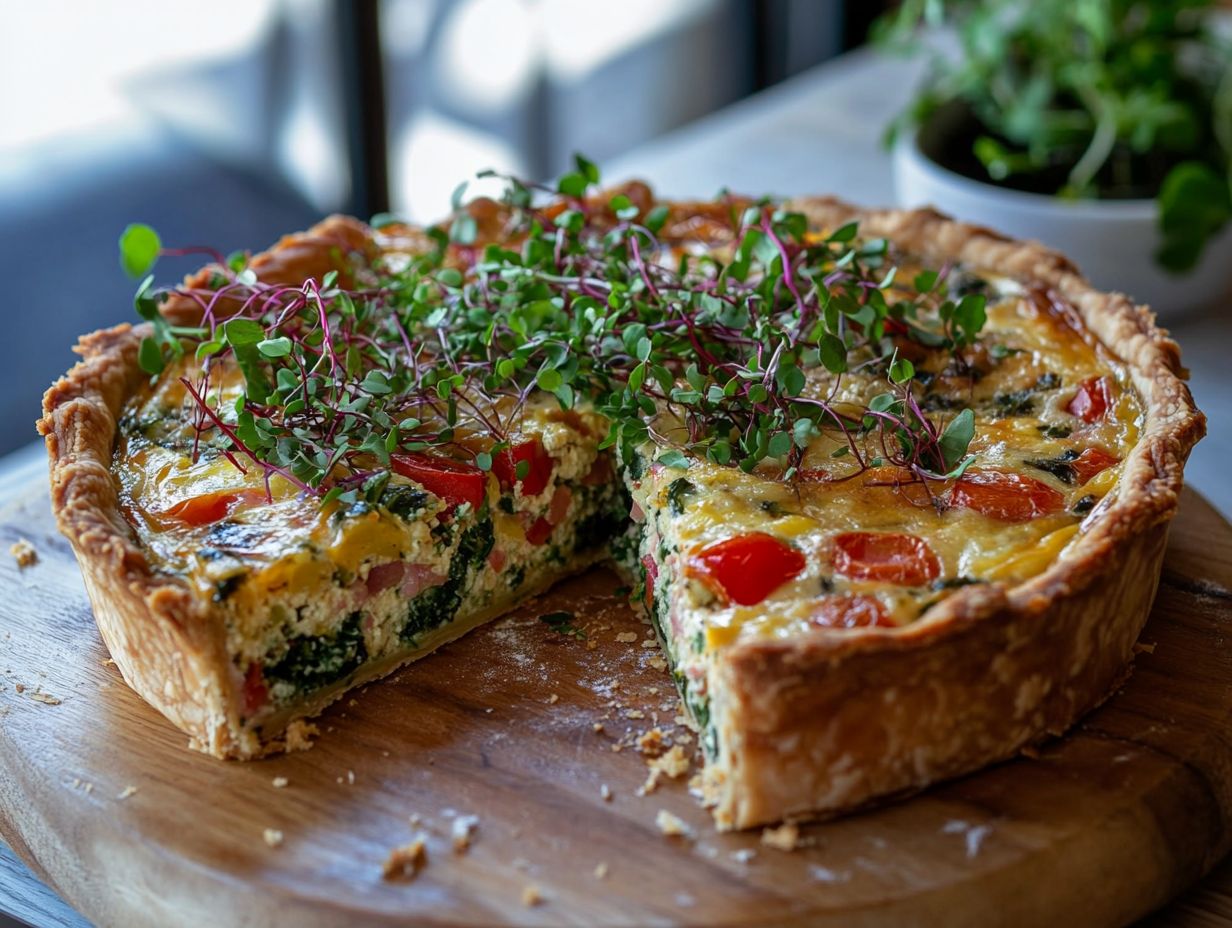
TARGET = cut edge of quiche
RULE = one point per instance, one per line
(795, 725)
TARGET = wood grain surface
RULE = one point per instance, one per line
(99, 795)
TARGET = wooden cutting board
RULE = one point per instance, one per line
(529, 730)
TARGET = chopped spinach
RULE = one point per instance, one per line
(601, 527)
(678, 491)
(1060, 467)
(405, 502)
(437, 605)
(964, 283)
(936, 402)
(772, 508)
(636, 465)
(1016, 403)
(235, 536)
(952, 583)
(228, 585)
(1022, 402)
(315, 661)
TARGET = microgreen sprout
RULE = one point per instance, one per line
(736, 357)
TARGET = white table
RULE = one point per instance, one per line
(818, 133)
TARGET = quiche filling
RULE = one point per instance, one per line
(966, 431)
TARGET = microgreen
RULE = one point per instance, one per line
(738, 361)
(139, 248)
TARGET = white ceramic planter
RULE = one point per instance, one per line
(1113, 242)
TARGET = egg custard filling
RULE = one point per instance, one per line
(362, 455)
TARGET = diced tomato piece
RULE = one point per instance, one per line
(497, 560)
(210, 507)
(886, 557)
(600, 472)
(1091, 462)
(453, 481)
(1008, 497)
(559, 507)
(539, 466)
(652, 574)
(540, 531)
(850, 611)
(256, 693)
(1092, 401)
(747, 568)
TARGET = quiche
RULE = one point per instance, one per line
(892, 490)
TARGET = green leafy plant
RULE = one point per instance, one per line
(1087, 98)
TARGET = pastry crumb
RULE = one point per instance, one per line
(671, 825)
(463, 827)
(406, 861)
(553, 699)
(299, 735)
(24, 553)
(785, 837)
(634, 714)
(1141, 647)
(597, 727)
(601, 871)
(272, 837)
(650, 643)
(651, 742)
(673, 764)
(605, 792)
(45, 698)
(19, 687)
(658, 663)
(129, 790)
(280, 782)
(626, 637)
(531, 895)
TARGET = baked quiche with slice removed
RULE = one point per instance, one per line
(892, 490)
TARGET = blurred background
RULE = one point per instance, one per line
(230, 123)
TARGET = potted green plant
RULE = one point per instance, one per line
(1100, 127)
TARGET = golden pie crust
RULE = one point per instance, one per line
(816, 724)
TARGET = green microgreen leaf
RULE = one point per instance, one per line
(139, 248)
(956, 438)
